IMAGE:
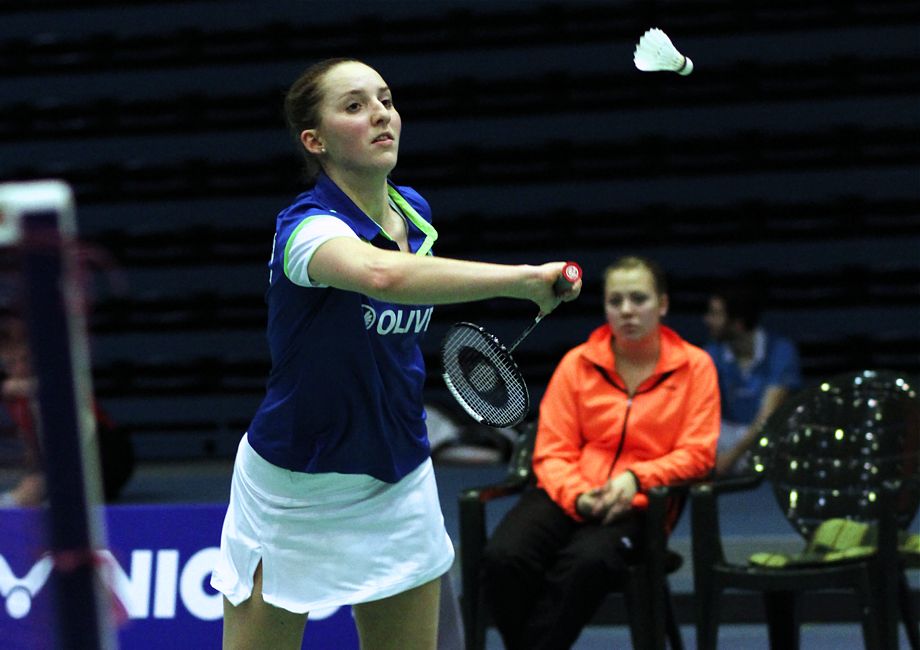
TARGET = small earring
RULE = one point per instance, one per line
(322, 150)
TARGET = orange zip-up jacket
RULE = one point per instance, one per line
(591, 429)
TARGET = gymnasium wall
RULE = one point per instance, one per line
(790, 155)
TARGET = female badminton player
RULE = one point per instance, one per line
(333, 499)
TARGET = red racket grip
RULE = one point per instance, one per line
(571, 273)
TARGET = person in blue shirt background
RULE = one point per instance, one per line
(757, 370)
(333, 499)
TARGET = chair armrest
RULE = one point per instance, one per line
(660, 500)
(705, 529)
(705, 532)
(736, 483)
(667, 501)
(486, 493)
(665, 504)
(472, 505)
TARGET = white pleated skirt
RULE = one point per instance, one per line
(327, 540)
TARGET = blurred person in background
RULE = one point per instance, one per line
(18, 387)
(757, 370)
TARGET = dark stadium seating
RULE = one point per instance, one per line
(790, 156)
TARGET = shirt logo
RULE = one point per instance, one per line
(397, 321)
(370, 315)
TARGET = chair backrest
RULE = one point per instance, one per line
(828, 449)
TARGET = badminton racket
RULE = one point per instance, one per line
(480, 372)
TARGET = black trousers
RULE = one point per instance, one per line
(545, 574)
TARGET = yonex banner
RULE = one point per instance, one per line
(158, 567)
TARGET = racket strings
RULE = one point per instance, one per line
(482, 375)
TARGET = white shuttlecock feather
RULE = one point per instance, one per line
(655, 52)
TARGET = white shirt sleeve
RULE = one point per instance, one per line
(310, 234)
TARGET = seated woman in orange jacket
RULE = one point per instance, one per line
(633, 407)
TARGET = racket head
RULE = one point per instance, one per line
(482, 376)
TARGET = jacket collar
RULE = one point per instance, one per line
(597, 349)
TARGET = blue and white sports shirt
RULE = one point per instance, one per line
(345, 390)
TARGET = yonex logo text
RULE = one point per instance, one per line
(170, 583)
(153, 575)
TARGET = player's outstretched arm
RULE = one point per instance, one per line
(400, 277)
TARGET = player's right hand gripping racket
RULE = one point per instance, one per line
(481, 373)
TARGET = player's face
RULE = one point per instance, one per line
(359, 126)
(716, 319)
(633, 307)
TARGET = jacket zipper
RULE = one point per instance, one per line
(629, 401)
(616, 457)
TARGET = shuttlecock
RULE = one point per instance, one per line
(655, 51)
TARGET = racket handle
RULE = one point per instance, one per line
(571, 273)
